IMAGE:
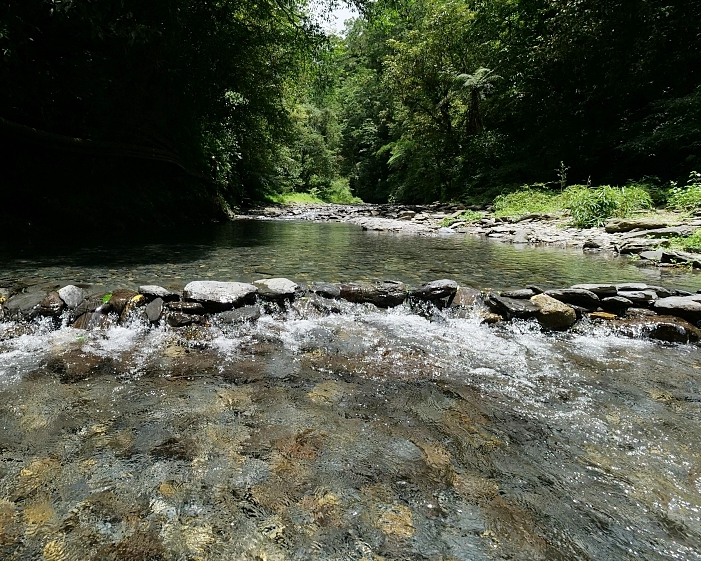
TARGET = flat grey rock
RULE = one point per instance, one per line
(280, 287)
(325, 289)
(522, 294)
(687, 307)
(72, 296)
(385, 294)
(154, 310)
(152, 291)
(618, 225)
(601, 290)
(436, 290)
(577, 297)
(26, 303)
(638, 296)
(240, 315)
(511, 307)
(220, 295)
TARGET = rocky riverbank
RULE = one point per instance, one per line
(632, 309)
(647, 237)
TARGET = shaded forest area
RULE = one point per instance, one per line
(158, 112)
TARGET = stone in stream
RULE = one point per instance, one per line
(220, 296)
(26, 304)
(616, 304)
(178, 319)
(51, 305)
(686, 307)
(523, 294)
(465, 297)
(154, 309)
(640, 286)
(153, 291)
(385, 294)
(601, 290)
(639, 297)
(576, 296)
(511, 307)
(76, 365)
(553, 314)
(662, 328)
(72, 296)
(277, 289)
(440, 292)
(325, 289)
(638, 245)
(120, 298)
(191, 308)
(240, 315)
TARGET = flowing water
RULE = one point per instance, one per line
(356, 434)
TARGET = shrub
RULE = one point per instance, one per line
(690, 243)
(465, 216)
(687, 197)
(529, 200)
(591, 207)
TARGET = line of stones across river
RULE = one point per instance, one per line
(633, 309)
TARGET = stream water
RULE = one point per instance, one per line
(362, 434)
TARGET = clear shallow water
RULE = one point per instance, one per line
(360, 435)
(305, 251)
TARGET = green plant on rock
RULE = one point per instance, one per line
(465, 216)
(529, 200)
(688, 197)
(591, 207)
(689, 243)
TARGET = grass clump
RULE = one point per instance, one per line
(464, 216)
(338, 191)
(292, 198)
(688, 197)
(690, 243)
(588, 206)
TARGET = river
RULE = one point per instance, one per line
(364, 434)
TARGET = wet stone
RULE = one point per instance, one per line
(638, 296)
(384, 294)
(51, 305)
(440, 292)
(178, 319)
(72, 296)
(220, 296)
(75, 366)
(553, 314)
(465, 297)
(152, 291)
(325, 289)
(687, 307)
(240, 315)
(511, 307)
(187, 308)
(616, 304)
(661, 328)
(276, 289)
(26, 304)
(577, 297)
(601, 290)
(91, 304)
(120, 298)
(154, 310)
(523, 294)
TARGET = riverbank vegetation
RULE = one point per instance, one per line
(182, 109)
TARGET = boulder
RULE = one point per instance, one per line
(601, 290)
(240, 315)
(385, 294)
(686, 307)
(511, 307)
(220, 296)
(177, 319)
(277, 289)
(642, 287)
(576, 296)
(638, 245)
(72, 296)
(51, 305)
(618, 225)
(120, 298)
(26, 304)
(552, 313)
(92, 304)
(465, 297)
(440, 292)
(154, 309)
(325, 289)
(152, 291)
(662, 328)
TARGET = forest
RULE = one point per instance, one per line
(138, 112)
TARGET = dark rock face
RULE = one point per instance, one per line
(152, 291)
(240, 315)
(72, 296)
(577, 297)
(120, 298)
(523, 294)
(177, 319)
(512, 307)
(687, 307)
(154, 310)
(616, 304)
(601, 290)
(26, 304)
(386, 294)
(553, 314)
(662, 328)
(440, 292)
(325, 289)
(51, 305)
(465, 297)
(195, 308)
(220, 296)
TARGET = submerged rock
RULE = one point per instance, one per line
(219, 296)
(553, 314)
(662, 328)
(178, 319)
(385, 294)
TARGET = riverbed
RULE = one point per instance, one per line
(359, 434)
